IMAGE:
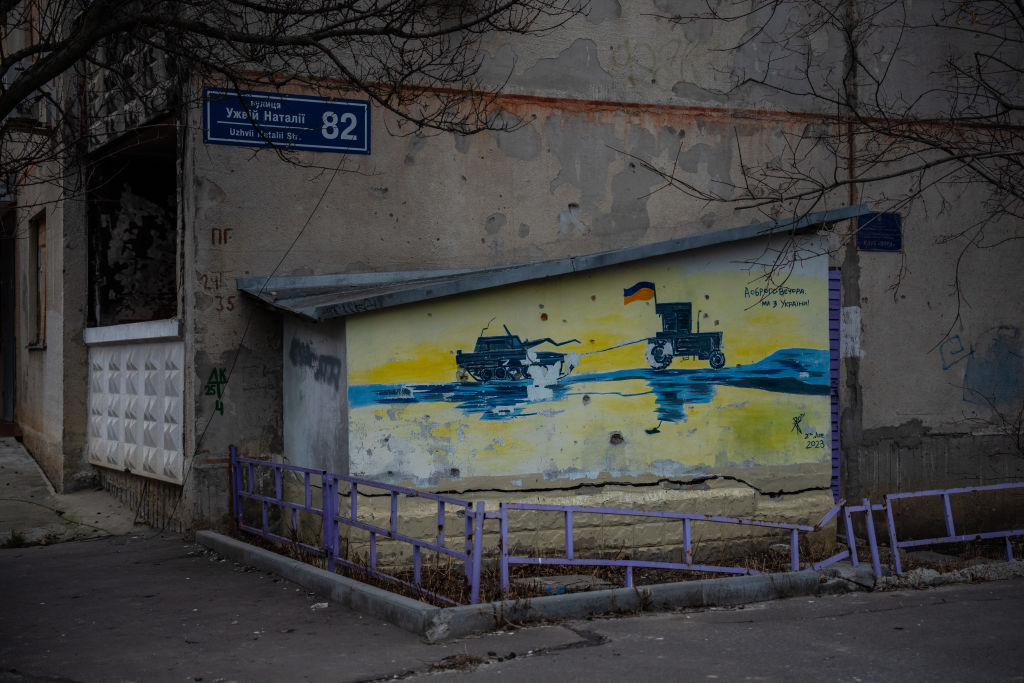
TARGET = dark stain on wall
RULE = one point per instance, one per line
(326, 369)
(995, 372)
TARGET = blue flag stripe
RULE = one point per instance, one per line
(636, 288)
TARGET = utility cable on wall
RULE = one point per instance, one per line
(238, 349)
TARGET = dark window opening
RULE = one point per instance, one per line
(133, 230)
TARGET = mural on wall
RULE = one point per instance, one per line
(670, 367)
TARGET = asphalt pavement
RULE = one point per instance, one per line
(145, 606)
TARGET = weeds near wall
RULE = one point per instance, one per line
(15, 540)
(445, 576)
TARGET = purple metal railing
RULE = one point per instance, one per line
(951, 535)
(327, 508)
(243, 478)
(687, 519)
(473, 534)
(851, 540)
(895, 544)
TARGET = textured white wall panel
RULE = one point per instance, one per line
(136, 392)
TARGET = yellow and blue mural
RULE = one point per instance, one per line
(673, 366)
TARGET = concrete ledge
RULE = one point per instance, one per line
(435, 624)
(150, 331)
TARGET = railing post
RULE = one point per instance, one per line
(233, 473)
(440, 523)
(329, 509)
(393, 526)
(478, 547)
(416, 578)
(794, 550)
(893, 542)
(468, 543)
(851, 540)
(503, 548)
(948, 510)
(568, 534)
(872, 541)
(687, 542)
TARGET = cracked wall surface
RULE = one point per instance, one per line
(592, 102)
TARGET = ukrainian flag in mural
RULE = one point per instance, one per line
(641, 291)
(706, 364)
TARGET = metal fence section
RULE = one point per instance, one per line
(851, 540)
(951, 535)
(249, 481)
(686, 521)
(261, 481)
(473, 533)
(260, 484)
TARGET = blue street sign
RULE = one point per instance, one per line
(258, 119)
(879, 232)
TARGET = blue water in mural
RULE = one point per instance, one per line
(789, 371)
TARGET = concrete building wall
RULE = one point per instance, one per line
(592, 101)
(552, 189)
(51, 372)
(933, 393)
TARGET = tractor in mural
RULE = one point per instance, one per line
(676, 338)
(507, 358)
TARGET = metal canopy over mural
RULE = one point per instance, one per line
(325, 297)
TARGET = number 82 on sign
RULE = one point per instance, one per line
(266, 119)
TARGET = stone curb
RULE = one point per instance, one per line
(436, 624)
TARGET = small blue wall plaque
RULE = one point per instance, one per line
(260, 119)
(879, 232)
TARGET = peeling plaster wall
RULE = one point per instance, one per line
(934, 381)
(606, 535)
(933, 384)
(51, 378)
(616, 83)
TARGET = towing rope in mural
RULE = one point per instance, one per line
(617, 346)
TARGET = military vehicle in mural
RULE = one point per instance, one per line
(676, 338)
(507, 358)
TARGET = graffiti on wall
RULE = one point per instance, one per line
(326, 368)
(659, 368)
(994, 375)
(215, 384)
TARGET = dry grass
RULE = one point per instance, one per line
(441, 575)
(444, 576)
